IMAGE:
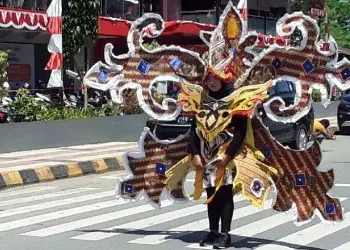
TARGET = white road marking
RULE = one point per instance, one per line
(196, 226)
(342, 185)
(310, 234)
(89, 221)
(55, 203)
(24, 190)
(44, 196)
(58, 215)
(143, 223)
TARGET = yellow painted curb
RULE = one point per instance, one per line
(44, 174)
(12, 178)
(100, 166)
(74, 170)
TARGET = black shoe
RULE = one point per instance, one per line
(210, 238)
(224, 241)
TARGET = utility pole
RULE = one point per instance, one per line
(217, 10)
(141, 8)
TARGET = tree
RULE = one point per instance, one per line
(80, 23)
(339, 21)
(338, 18)
(3, 73)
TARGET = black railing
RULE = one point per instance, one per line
(40, 5)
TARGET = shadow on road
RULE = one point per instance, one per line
(191, 237)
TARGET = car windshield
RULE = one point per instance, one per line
(347, 98)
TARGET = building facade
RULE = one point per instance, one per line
(115, 14)
(23, 34)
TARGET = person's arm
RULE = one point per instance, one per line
(318, 127)
(194, 147)
(240, 129)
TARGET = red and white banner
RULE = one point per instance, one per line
(243, 8)
(54, 27)
(20, 19)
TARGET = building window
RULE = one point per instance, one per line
(41, 5)
(123, 9)
(151, 6)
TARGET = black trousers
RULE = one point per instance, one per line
(221, 207)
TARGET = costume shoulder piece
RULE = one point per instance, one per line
(167, 81)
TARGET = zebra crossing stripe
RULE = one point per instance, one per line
(263, 225)
(58, 215)
(56, 203)
(24, 191)
(345, 246)
(89, 221)
(310, 234)
(196, 226)
(143, 223)
(44, 196)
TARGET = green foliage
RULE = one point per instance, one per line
(151, 45)
(52, 113)
(339, 18)
(25, 106)
(3, 73)
(297, 5)
(80, 25)
(316, 95)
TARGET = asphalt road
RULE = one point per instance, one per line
(82, 213)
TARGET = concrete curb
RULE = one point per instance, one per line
(69, 170)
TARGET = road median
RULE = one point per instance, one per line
(62, 171)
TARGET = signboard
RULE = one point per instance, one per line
(21, 64)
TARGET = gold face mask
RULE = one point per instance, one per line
(212, 118)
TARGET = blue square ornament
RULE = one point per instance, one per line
(176, 63)
(277, 64)
(266, 151)
(128, 188)
(102, 76)
(308, 66)
(234, 51)
(330, 208)
(143, 67)
(300, 180)
(161, 168)
(345, 74)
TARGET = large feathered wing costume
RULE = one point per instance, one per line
(160, 166)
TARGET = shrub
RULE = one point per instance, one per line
(316, 95)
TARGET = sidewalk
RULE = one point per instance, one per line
(34, 166)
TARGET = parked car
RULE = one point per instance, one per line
(296, 135)
(343, 114)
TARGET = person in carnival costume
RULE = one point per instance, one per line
(231, 144)
(221, 206)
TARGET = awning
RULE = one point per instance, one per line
(113, 27)
(178, 30)
(22, 19)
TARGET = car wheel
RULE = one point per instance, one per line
(340, 128)
(301, 139)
